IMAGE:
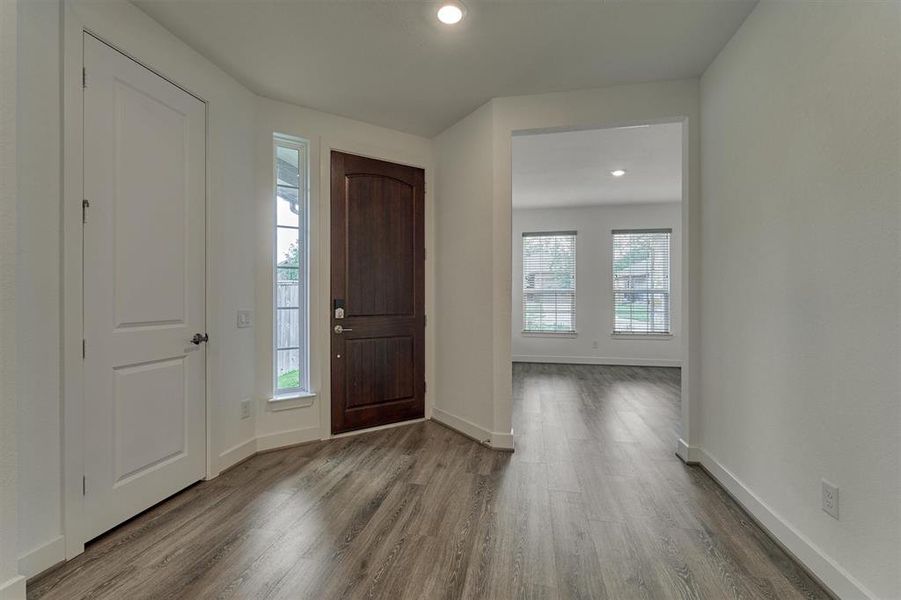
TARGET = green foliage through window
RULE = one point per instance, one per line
(549, 282)
(641, 281)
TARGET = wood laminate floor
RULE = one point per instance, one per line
(593, 504)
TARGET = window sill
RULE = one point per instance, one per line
(552, 334)
(641, 336)
(298, 400)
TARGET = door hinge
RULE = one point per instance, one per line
(85, 205)
(84, 485)
(425, 387)
(84, 77)
(425, 321)
(84, 348)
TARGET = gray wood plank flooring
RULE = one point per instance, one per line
(593, 504)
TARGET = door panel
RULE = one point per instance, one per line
(381, 249)
(378, 268)
(149, 200)
(378, 370)
(149, 404)
(144, 281)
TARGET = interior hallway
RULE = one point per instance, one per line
(593, 504)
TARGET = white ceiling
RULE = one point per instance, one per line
(553, 170)
(391, 63)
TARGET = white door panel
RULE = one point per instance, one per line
(144, 287)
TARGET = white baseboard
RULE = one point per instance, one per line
(502, 441)
(599, 360)
(292, 437)
(832, 576)
(13, 589)
(266, 442)
(237, 453)
(690, 455)
(497, 440)
(43, 557)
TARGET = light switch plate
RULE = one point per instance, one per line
(830, 499)
(245, 319)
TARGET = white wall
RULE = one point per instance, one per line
(231, 211)
(801, 296)
(237, 252)
(12, 585)
(39, 290)
(474, 221)
(282, 423)
(464, 282)
(231, 217)
(594, 288)
(668, 101)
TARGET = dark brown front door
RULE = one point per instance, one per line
(378, 269)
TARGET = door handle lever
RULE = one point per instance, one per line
(339, 329)
(200, 338)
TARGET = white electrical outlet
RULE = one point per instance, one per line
(245, 409)
(244, 319)
(594, 345)
(830, 499)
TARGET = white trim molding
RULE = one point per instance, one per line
(285, 439)
(14, 585)
(690, 455)
(819, 565)
(493, 439)
(599, 360)
(236, 454)
(13, 589)
(301, 400)
(266, 442)
(43, 557)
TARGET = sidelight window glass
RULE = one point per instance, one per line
(291, 268)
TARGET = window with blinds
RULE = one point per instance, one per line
(641, 281)
(549, 282)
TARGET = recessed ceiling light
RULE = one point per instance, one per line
(618, 172)
(450, 13)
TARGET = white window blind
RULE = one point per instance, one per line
(641, 281)
(549, 282)
(290, 290)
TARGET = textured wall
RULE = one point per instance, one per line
(801, 297)
(9, 586)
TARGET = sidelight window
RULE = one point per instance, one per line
(291, 267)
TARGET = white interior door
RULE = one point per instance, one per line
(144, 288)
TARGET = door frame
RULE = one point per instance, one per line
(311, 419)
(72, 404)
(685, 446)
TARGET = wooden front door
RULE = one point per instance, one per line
(377, 312)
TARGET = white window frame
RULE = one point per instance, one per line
(303, 229)
(537, 332)
(668, 291)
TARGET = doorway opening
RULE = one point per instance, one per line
(597, 280)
